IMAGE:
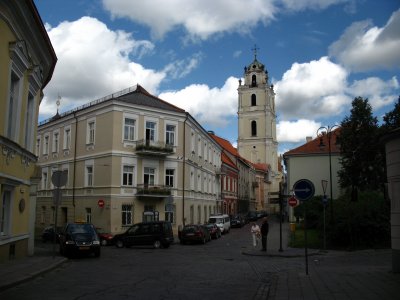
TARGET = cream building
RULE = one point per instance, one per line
(27, 61)
(129, 157)
(257, 128)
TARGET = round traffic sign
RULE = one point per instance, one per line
(303, 189)
(292, 201)
(100, 203)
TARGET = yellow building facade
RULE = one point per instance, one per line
(27, 61)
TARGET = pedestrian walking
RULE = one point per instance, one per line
(255, 233)
(264, 233)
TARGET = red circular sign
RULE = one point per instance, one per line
(292, 201)
(100, 203)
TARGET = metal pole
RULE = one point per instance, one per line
(324, 229)
(305, 235)
(330, 173)
(280, 222)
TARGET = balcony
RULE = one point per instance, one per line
(146, 147)
(153, 191)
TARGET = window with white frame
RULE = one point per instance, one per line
(53, 169)
(89, 175)
(67, 138)
(170, 213)
(29, 120)
(149, 175)
(205, 183)
(90, 132)
(13, 106)
(169, 177)
(37, 146)
(66, 171)
(199, 146)
(198, 181)
(5, 212)
(88, 215)
(129, 129)
(46, 145)
(150, 131)
(192, 179)
(127, 175)
(56, 136)
(127, 214)
(192, 142)
(44, 179)
(205, 215)
(198, 214)
(205, 151)
(170, 135)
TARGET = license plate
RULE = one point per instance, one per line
(190, 234)
(84, 248)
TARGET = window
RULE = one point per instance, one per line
(89, 175)
(46, 145)
(44, 180)
(12, 106)
(253, 128)
(253, 100)
(199, 147)
(37, 146)
(55, 141)
(127, 175)
(5, 213)
(126, 214)
(205, 215)
(67, 138)
(129, 129)
(29, 120)
(65, 170)
(43, 215)
(170, 135)
(149, 175)
(150, 131)
(169, 177)
(254, 81)
(192, 142)
(90, 132)
(198, 214)
(169, 213)
(198, 181)
(205, 151)
(88, 215)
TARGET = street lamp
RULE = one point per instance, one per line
(321, 133)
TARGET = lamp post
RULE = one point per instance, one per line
(324, 184)
(321, 133)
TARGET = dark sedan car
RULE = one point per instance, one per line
(79, 238)
(214, 230)
(194, 234)
(237, 221)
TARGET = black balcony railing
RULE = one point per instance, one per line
(145, 190)
(153, 148)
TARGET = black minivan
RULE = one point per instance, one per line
(158, 234)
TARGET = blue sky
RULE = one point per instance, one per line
(320, 55)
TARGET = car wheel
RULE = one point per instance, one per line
(119, 243)
(103, 242)
(157, 244)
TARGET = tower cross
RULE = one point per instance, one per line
(255, 51)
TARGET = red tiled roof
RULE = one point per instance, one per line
(226, 160)
(225, 144)
(313, 146)
(262, 167)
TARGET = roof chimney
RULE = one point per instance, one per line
(308, 139)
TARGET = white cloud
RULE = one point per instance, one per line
(364, 48)
(298, 5)
(297, 131)
(209, 106)
(314, 89)
(181, 68)
(201, 19)
(379, 93)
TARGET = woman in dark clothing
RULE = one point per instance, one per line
(264, 234)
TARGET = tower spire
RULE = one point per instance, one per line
(255, 51)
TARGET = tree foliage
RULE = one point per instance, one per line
(392, 118)
(361, 154)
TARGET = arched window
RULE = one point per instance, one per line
(253, 128)
(253, 100)
(253, 81)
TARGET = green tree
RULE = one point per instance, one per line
(392, 118)
(361, 157)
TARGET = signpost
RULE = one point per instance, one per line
(59, 179)
(304, 190)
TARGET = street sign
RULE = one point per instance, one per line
(59, 178)
(100, 203)
(303, 189)
(292, 201)
(325, 200)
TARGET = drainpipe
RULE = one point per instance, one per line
(74, 175)
(183, 169)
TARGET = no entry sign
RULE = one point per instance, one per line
(292, 201)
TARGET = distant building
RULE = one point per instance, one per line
(257, 140)
(27, 61)
(130, 157)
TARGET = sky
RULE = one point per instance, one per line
(320, 55)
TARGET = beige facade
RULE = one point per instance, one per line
(27, 60)
(257, 140)
(142, 157)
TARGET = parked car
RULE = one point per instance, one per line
(158, 234)
(48, 234)
(237, 221)
(79, 238)
(252, 216)
(222, 221)
(106, 238)
(194, 233)
(215, 233)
